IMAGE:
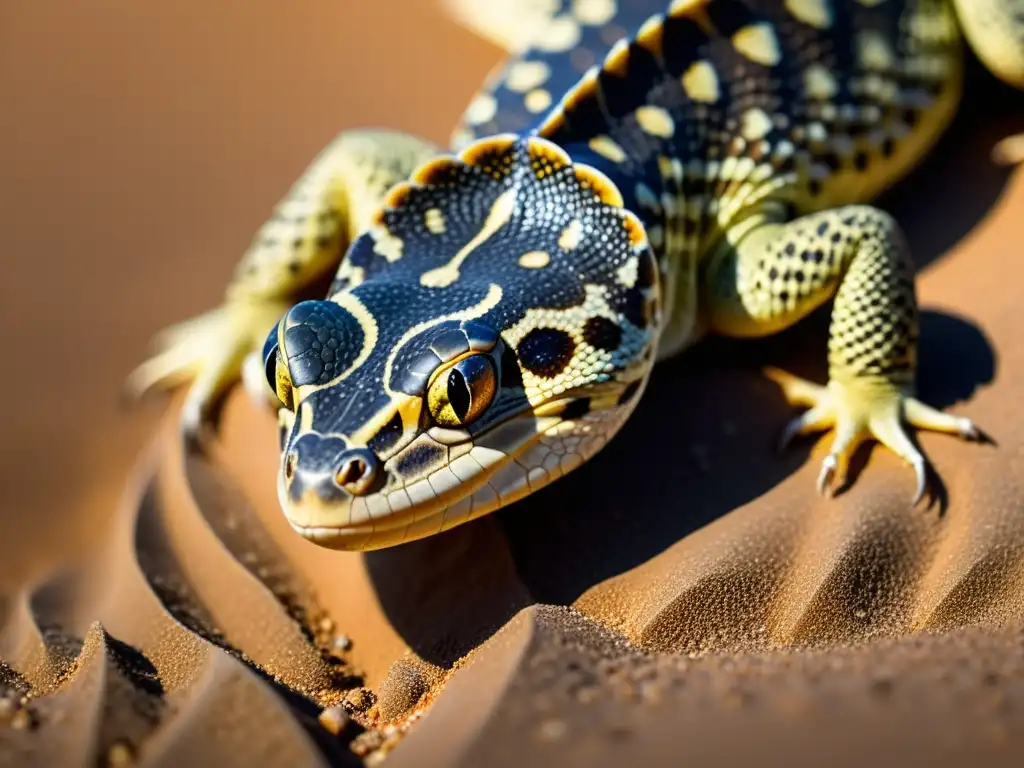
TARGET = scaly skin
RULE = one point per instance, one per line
(496, 313)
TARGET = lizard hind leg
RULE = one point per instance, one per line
(995, 31)
(782, 271)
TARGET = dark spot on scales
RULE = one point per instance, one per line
(420, 459)
(545, 352)
(602, 333)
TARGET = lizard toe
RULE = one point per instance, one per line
(857, 411)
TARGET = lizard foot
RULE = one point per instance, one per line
(209, 351)
(857, 413)
(1009, 151)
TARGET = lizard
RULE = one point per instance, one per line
(634, 177)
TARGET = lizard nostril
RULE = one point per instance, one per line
(351, 472)
(357, 471)
(289, 466)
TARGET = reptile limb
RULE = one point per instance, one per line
(302, 241)
(995, 30)
(779, 272)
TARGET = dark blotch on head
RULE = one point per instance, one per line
(602, 333)
(388, 435)
(420, 459)
(545, 352)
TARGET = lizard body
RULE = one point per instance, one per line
(636, 176)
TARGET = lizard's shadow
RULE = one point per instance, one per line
(701, 442)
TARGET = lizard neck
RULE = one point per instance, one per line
(655, 193)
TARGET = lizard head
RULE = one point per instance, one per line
(489, 332)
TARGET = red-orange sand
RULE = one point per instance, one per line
(685, 598)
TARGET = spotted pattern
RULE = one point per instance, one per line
(495, 280)
(601, 333)
(636, 174)
(546, 352)
(854, 253)
(769, 103)
(574, 36)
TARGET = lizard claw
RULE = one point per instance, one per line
(921, 473)
(857, 413)
(829, 468)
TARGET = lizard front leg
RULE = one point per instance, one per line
(301, 242)
(776, 274)
(995, 30)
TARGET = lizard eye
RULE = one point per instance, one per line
(461, 393)
(274, 366)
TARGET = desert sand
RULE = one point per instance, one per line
(683, 598)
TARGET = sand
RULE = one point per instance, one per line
(685, 597)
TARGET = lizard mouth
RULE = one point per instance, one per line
(511, 461)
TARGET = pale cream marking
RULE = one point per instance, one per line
(701, 82)
(500, 213)
(607, 148)
(482, 109)
(571, 236)
(537, 100)
(817, 132)
(535, 260)
(874, 51)
(626, 274)
(526, 75)
(819, 83)
(816, 13)
(755, 124)
(560, 34)
(593, 13)
(758, 43)
(656, 121)
(434, 220)
(386, 244)
(305, 417)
